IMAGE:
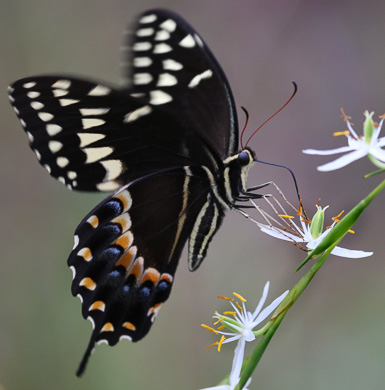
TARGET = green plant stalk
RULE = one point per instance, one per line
(325, 247)
(251, 362)
(342, 227)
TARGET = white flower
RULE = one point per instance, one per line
(241, 329)
(367, 145)
(311, 234)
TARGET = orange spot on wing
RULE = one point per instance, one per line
(93, 221)
(166, 277)
(137, 268)
(86, 254)
(107, 327)
(150, 274)
(88, 283)
(127, 259)
(125, 198)
(129, 326)
(98, 305)
(125, 240)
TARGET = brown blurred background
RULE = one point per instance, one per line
(334, 336)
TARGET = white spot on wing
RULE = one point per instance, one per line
(94, 111)
(62, 84)
(169, 25)
(89, 318)
(113, 167)
(198, 78)
(76, 241)
(148, 18)
(141, 62)
(89, 138)
(28, 85)
(136, 114)
(172, 65)
(53, 129)
(166, 80)
(187, 42)
(33, 94)
(45, 116)
(72, 175)
(159, 97)
(37, 105)
(72, 268)
(54, 146)
(107, 186)
(145, 32)
(95, 154)
(125, 337)
(67, 102)
(162, 35)
(142, 78)
(92, 122)
(161, 48)
(141, 46)
(62, 161)
(59, 92)
(30, 136)
(99, 90)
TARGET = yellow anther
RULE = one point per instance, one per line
(227, 298)
(221, 327)
(239, 306)
(286, 216)
(223, 338)
(217, 342)
(299, 212)
(338, 133)
(209, 328)
(220, 320)
(337, 216)
(382, 116)
(351, 231)
(229, 313)
(240, 297)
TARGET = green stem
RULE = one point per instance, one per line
(342, 227)
(325, 247)
(252, 362)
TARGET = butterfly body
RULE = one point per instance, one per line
(166, 144)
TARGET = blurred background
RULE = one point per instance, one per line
(334, 336)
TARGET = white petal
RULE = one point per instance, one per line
(380, 142)
(353, 254)
(343, 161)
(342, 149)
(220, 387)
(278, 233)
(262, 300)
(269, 309)
(378, 153)
(235, 374)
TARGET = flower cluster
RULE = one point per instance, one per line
(240, 325)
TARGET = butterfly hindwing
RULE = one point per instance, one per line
(127, 249)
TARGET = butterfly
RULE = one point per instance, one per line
(166, 145)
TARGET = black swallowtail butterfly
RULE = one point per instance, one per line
(166, 143)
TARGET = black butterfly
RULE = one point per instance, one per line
(167, 143)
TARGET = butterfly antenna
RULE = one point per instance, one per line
(291, 173)
(244, 127)
(272, 116)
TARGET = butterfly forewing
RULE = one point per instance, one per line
(167, 63)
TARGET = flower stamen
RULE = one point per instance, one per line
(338, 133)
(240, 297)
(209, 328)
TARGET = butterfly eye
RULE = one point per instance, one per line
(243, 158)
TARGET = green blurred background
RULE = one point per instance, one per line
(334, 336)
